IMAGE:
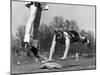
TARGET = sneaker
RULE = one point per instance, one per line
(26, 45)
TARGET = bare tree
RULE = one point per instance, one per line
(58, 22)
(20, 32)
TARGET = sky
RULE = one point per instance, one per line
(83, 15)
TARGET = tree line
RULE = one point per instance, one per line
(46, 34)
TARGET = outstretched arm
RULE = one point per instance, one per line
(67, 45)
(52, 48)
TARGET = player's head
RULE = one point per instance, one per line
(86, 41)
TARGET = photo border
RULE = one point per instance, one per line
(53, 3)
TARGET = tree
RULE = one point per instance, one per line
(66, 25)
(89, 35)
(58, 22)
(74, 26)
(45, 36)
(20, 32)
(82, 32)
(16, 42)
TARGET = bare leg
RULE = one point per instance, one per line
(67, 43)
(32, 15)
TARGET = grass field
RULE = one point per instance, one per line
(67, 65)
